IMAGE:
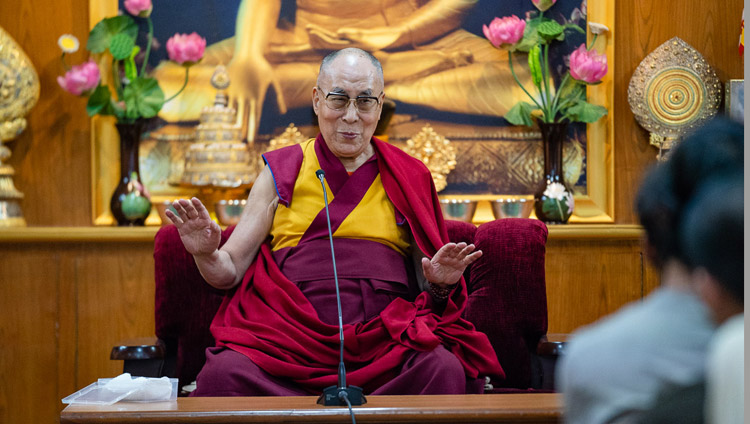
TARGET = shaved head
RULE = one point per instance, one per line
(350, 51)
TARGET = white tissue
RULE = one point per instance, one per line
(141, 389)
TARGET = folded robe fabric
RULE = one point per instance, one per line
(268, 319)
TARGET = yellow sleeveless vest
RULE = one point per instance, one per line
(373, 219)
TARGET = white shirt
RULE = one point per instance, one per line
(725, 374)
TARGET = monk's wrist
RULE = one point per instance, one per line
(440, 292)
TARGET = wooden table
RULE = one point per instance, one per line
(489, 408)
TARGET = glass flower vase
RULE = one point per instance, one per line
(553, 198)
(131, 202)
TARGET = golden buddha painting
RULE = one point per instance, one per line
(439, 70)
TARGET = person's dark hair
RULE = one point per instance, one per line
(714, 149)
(351, 50)
(712, 233)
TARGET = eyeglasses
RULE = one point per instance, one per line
(341, 102)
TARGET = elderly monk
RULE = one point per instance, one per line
(276, 331)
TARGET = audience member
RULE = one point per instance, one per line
(712, 240)
(614, 369)
(713, 236)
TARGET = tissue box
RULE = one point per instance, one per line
(101, 393)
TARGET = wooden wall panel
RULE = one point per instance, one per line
(62, 308)
(28, 343)
(52, 156)
(712, 27)
(115, 302)
(589, 279)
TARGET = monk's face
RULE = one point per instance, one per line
(347, 131)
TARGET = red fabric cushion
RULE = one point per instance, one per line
(507, 293)
(184, 303)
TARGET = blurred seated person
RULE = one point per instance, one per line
(613, 370)
(276, 331)
(427, 58)
(713, 240)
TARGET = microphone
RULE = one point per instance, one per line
(340, 395)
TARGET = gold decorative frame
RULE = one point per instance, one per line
(597, 206)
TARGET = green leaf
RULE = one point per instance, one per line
(572, 89)
(535, 65)
(583, 111)
(120, 45)
(99, 102)
(520, 114)
(531, 36)
(102, 33)
(131, 71)
(549, 30)
(143, 98)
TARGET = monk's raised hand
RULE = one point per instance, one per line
(449, 263)
(199, 233)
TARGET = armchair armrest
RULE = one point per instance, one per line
(138, 349)
(548, 351)
(145, 357)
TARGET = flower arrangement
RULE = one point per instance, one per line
(132, 94)
(534, 36)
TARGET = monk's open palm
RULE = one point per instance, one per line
(199, 233)
(449, 263)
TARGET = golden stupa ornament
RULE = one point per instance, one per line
(672, 92)
(436, 152)
(218, 163)
(289, 137)
(19, 92)
(218, 158)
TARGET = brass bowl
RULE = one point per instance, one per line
(513, 207)
(162, 207)
(228, 212)
(461, 210)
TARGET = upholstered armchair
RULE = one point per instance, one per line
(507, 301)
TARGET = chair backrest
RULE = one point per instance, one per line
(508, 292)
(507, 295)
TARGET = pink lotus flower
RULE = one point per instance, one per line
(543, 5)
(81, 79)
(587, 66)
(186, 48)
(507, 30)
(140, 8)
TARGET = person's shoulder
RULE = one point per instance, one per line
(405, 160)
(611, 331)
(632, 327)
(291, 148)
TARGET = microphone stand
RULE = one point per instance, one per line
(341, 395)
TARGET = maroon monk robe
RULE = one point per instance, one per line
(269, 320)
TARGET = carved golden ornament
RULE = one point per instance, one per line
(218, 159)
(19, 92)
(673, 91)
(436, 152)
(664, 144)
(220, 78)
(289, 137)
